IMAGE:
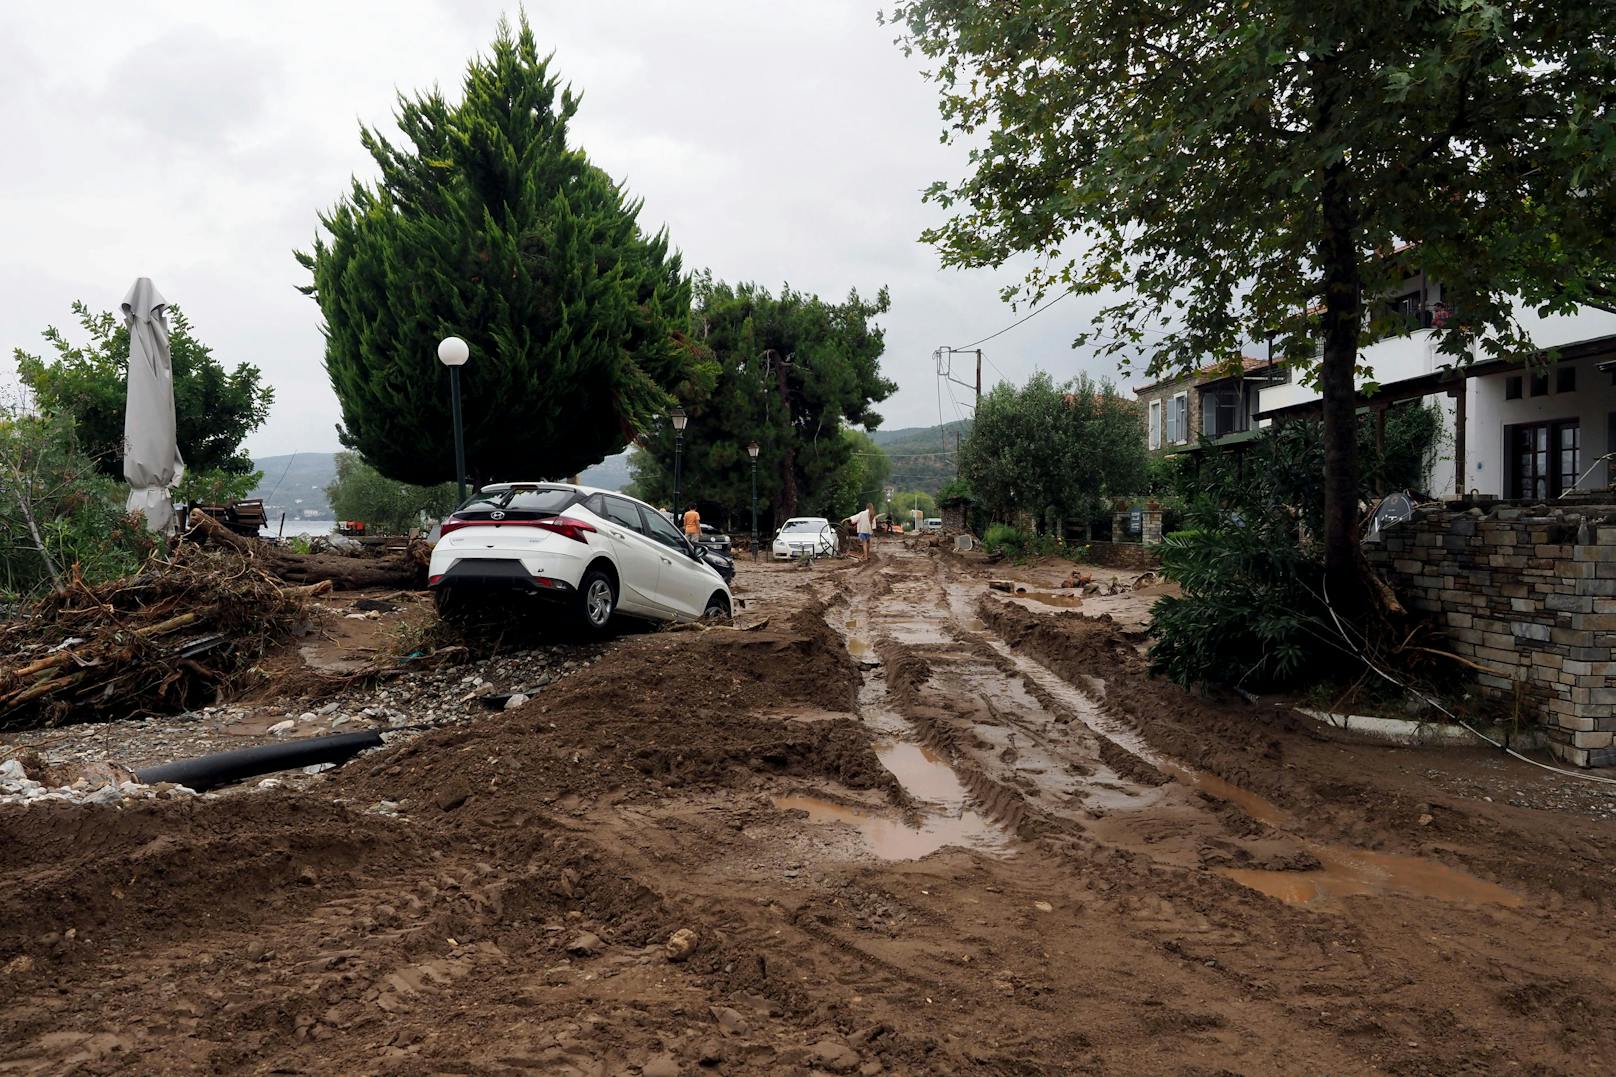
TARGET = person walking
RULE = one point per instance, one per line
(692, 523)
(863, 525)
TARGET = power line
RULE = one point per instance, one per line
(1025, 318)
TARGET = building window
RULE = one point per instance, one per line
(1565, 379)
(1540, 385)
(1221, 413)
(1178, 422)
(1544, 458)
(1155, 424)
(1512, 388)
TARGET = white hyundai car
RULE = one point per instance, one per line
(806, 536)
(595, 553)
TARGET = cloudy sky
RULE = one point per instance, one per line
(195, 144)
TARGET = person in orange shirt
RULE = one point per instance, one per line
(692, 523)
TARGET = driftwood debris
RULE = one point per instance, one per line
(188, 627)
(399, 569)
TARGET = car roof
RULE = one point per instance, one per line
(501, 487)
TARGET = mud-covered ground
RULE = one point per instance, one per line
(907, 825)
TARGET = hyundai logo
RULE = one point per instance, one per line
(496, 515)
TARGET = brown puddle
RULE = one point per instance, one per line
(892, 839)
(1253, 805)
(923, 773)
(1351, 872)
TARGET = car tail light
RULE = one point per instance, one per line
(561, 525)
(576, 530)
(432, 581)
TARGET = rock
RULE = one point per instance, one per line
(329, 708)
(280, 729)
(660, 1066)
(585, 944)
(1043, 906)
(1425, 820)
(451, 798)
(19, 965)
(730, 1022)
(871, 1068)
(308, 876)
(515, 701)
(107, 794)
(681, 944)
(307, 716)
(834, 1056)
(711, 1052)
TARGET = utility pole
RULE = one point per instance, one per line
(979, 377)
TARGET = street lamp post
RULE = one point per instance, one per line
(453, 353)
(679, 420)
(752, 451)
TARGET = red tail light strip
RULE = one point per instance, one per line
(566, 526)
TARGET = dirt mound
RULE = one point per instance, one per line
(668, 709)
(1069, 643)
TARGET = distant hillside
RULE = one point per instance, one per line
(918, 459)
(610, 474)
(295, 484)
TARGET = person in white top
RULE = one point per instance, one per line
(863, 525)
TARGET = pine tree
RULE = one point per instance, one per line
(486, 225)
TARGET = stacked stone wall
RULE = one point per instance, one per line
(1527, 593)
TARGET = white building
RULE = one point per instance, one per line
(1510, 432)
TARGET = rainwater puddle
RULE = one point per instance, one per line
(858, 648)
(1351, 872)
(923, 773)
(892, 839)
(1263, 811)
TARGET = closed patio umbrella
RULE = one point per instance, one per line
(151, 460)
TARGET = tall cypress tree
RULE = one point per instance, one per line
(486, 225)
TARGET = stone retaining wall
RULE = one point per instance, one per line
(1528, 593)
(1133, 556)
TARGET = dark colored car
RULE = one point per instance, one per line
(722, 562)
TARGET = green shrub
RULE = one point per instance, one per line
(58, 511)
(1002, 538)
(1247, 616)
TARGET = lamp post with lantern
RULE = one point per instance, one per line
(453, 353)
(752, 451)
(679, 420)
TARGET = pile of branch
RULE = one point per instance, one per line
(400, 570)
(172, 638)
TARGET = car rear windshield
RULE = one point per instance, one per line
(519, 503)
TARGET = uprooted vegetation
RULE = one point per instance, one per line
(184, 629)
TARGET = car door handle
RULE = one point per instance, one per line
(665, 561)
(616, 534)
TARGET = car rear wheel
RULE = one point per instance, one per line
(447, 601)
(717, 608)
(597, 601)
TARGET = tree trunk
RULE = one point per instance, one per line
(1338, 261)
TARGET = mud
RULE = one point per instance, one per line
(986, 843)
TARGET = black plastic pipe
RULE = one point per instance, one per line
(222, 768)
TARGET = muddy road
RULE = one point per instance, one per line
(907, 825)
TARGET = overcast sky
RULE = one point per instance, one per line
(195, 144)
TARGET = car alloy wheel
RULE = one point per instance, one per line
(598, 602)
